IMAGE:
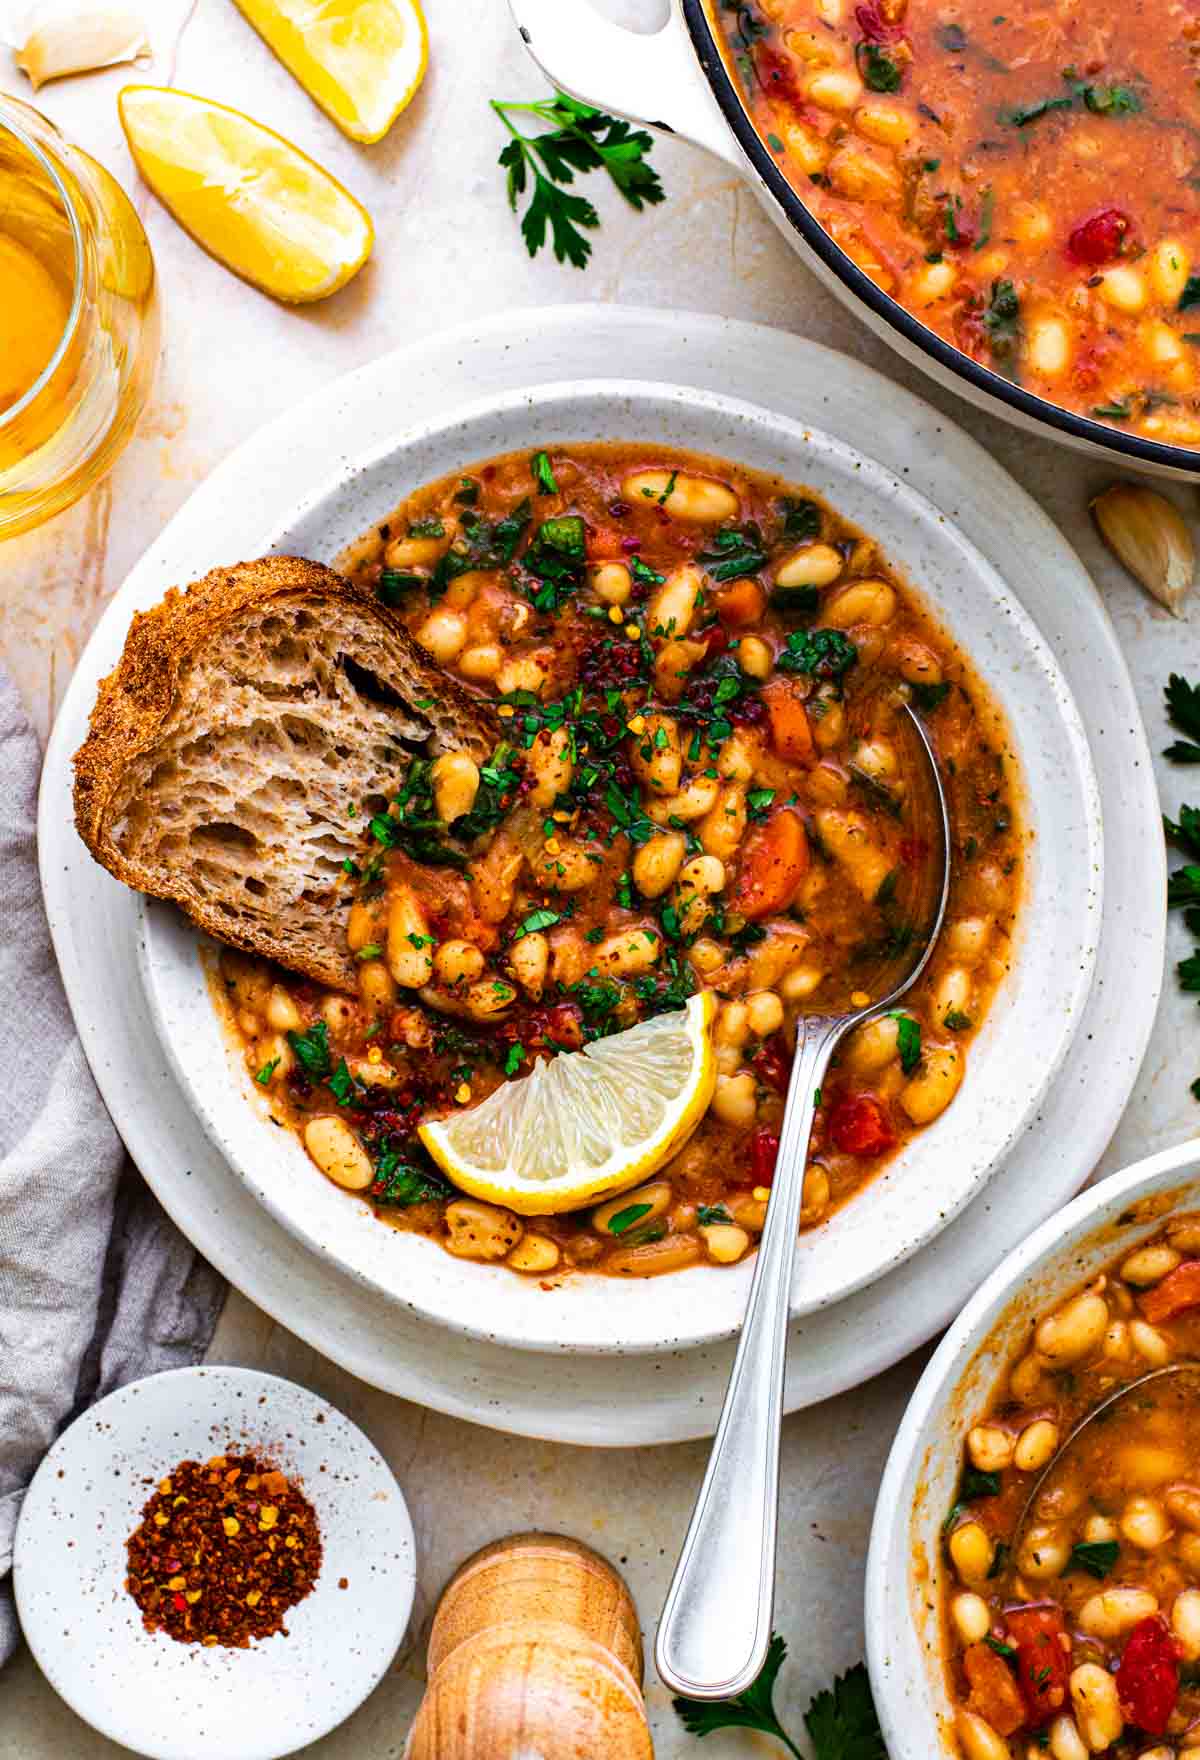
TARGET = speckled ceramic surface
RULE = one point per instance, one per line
(667, 1395)
(180, 1701)
(1012, 1061)
(905, 1560)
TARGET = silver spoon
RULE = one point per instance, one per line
(716, 1624)
(1097, 1411)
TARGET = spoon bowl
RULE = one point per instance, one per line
(716, 1623)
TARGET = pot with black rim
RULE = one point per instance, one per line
(676, 80)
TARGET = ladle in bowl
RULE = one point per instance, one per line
(716, 1623)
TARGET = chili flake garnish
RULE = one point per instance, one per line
(223, 1551)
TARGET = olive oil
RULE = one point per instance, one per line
(34, 307)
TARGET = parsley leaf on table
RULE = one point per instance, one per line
(1183, 711)
(841, 1721)
(1183, 884)
(579, 140)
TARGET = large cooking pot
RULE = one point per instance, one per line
(676, 80)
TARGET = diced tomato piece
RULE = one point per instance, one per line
(859, 1125)
(773, 863)
(1099, 239)
(874, 27)
(740, 603)
(715, 639)
(1043, 1659)
(772, 1063)
(1178, 1291)
(791, 735)
(1148, 1678)
(605, 543)
(994, 1693)
(764, 1151)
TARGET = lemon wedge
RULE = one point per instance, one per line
(362, 61)
(588, 1123)
(249, 197)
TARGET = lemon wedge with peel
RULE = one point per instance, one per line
(249, 197)
(362, 61)
(588, 1123)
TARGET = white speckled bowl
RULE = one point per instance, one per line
(1013, 1060)
(180, 1701)
(906, 1562)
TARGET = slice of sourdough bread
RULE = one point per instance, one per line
(252, 726)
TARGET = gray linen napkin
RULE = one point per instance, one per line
(97, 1286)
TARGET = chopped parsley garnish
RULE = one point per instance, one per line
(579, 140)
(712, 1215)
(973, 1484)
(877, 68)
(1096, 1557)
(1114, 100)
(405, 1175)
(624, 1220)
(395, 584)
(556, 558)
(427, 528)
(311, 1050)
(929, 697)
(514, 1059)
(1002, 321)
(264, 1075)
(736, 551)
(908, 1040)
(841, 1721)
(1183, 712)
(342, 1084)
(644, 574)
(1008, 1651)
(958, 1022)
(543, 475)
(535, 922)
(801, 519)
(1117, 411)
(758, 800)
(1021, 115)
(823, 653)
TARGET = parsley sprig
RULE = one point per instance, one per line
(579, 140)
(841, 1721)
(1183, 884)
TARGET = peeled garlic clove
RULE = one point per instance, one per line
(79, 39)
(1147, 533)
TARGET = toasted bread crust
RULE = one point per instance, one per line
(136, 699)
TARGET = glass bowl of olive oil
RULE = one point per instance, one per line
(78, 319)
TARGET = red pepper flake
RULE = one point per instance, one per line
(230, 1580)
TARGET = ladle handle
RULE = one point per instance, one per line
(716, 1625)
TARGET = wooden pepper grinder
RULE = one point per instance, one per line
(535, 1654)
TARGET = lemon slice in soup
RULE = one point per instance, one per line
(587, 1124)
(362, 61)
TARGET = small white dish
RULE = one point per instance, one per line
(1012, 1062)
(905, 1565)
(173, 1701)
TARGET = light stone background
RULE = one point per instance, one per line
(449, 250)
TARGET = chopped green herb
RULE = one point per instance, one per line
(1002, 321)
(264, 1075)
(543, 475)
(311, 1049)
(536, 921)
(427, 528)
(624, 1220)
(342, 1084)
(1096, 1557)
(957, 1022)
(710, 1215)
(514, 1059)
(908, 1040)
(823, 653)
(736, 552)
(877, 68)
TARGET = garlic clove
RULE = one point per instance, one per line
(79, 39)
(1147, 533)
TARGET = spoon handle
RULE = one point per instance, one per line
(716, 1624)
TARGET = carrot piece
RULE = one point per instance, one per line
(995, 1695)
(1180, 1289)
(773, 863)
(740, 603)
(791, 735)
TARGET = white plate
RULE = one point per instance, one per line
(1013, 1060)
(904, 1567)
(605, 1400)
(180, 1701)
